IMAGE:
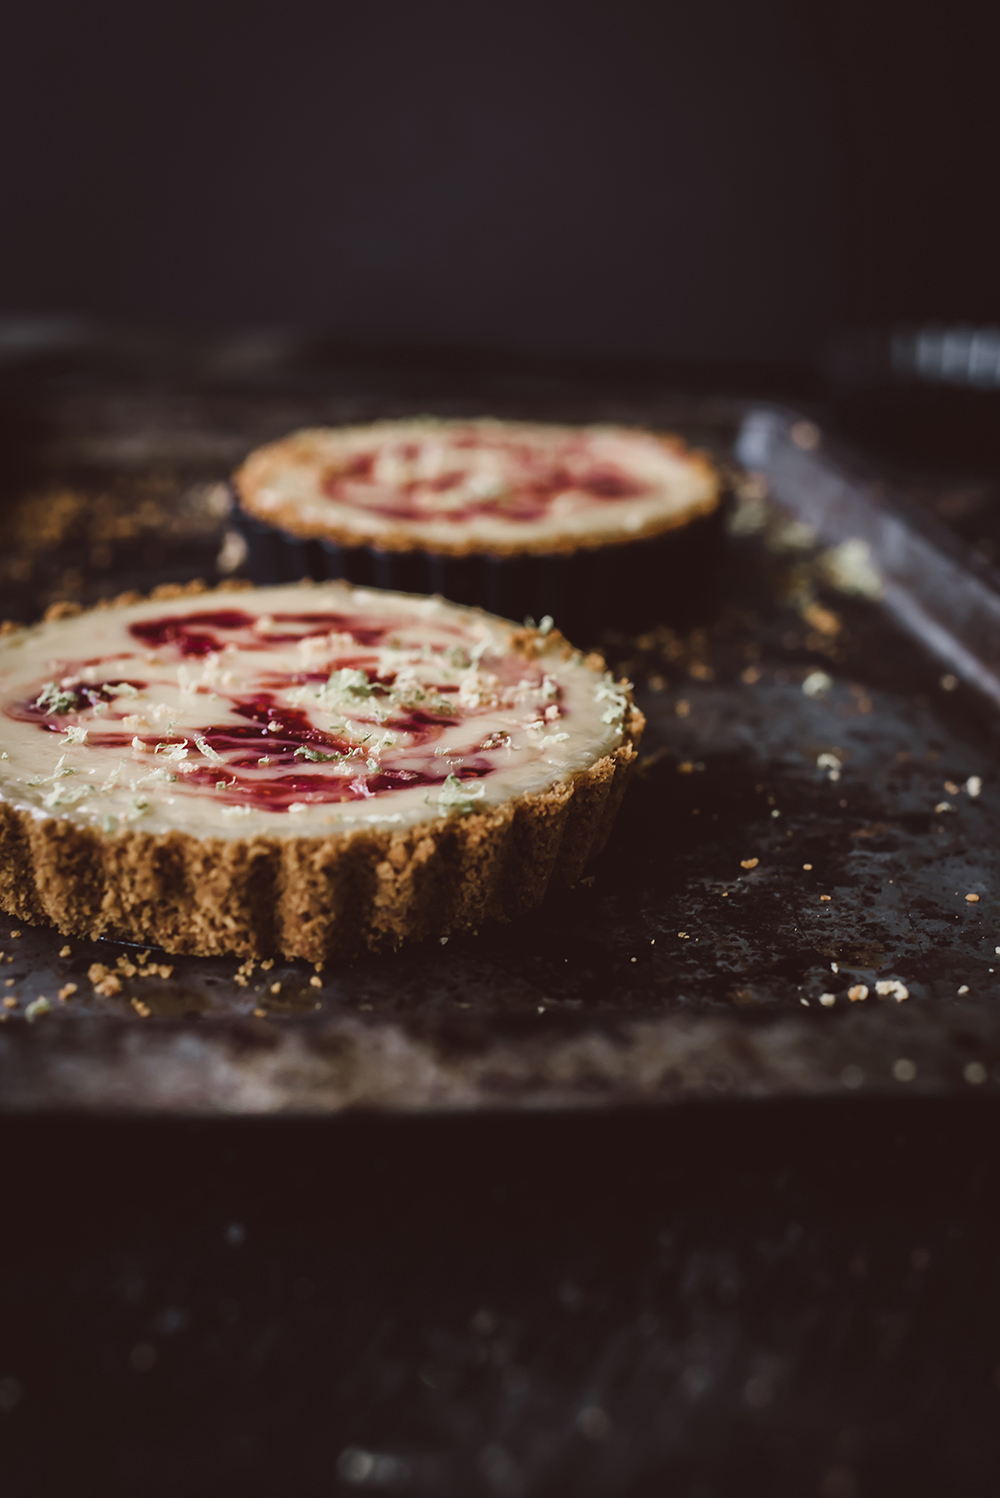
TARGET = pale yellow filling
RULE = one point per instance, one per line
(533, 722)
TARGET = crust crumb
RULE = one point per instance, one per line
(65, 608)
(104, 980)
(165, 591)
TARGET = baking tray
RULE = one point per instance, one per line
(815, 809)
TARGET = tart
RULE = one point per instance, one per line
(310, 771)
(591, 525)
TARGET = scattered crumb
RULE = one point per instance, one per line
(892, 988)
(126, 967)
(267, 966)
(749, 863)
(65, 952)
(805, 1002)
(972, 899)
(10, 1002)
(751, 676)
(951, 788)
(104, 980)
(143, 957)
(240, 980)
(683, 935)
(807, 867)
(682, 708)
(319, 966)
(973, 785)
(15, 935)
(964, 988)
(904, 1070)
(67, 991)
(835, 967)
(143, 1010)
(260, 1014)
(949, 682)
(975, 1072)
(9, 982)
(444, 941)
(826, 999)
(817, 684)
(275, 987)
(821, 619)
(315, 982)
(825, 899)
(859, 991)
(589, 881)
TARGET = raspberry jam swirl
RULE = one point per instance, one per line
(458, 472)
(283, 704)
(456, 485)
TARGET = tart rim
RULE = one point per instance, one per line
(286, 518)
(213, 896)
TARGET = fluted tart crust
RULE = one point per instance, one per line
(304, 771)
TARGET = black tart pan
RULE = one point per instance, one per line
(626, 586)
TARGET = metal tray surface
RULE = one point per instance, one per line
(814, 807)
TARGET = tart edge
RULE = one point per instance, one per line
(321, 897)
(253, 470)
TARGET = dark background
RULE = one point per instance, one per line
(721, 181)
(777, 1300)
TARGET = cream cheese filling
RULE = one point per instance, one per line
(485, 481)
(291, 711)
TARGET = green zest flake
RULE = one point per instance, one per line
(205, 748)
(303, 752)
(55, 699)
(459, 795)
(62, 796)
(352, 683)
(37, 1006)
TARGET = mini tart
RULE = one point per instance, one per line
(304, 771)
(581, 523)
(494, 487)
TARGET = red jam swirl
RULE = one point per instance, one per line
(534, 477)
(284, 737)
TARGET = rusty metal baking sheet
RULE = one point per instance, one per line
(815, 814)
